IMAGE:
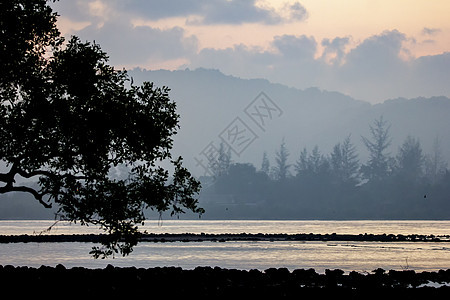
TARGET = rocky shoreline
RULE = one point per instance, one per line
(191, 237)
(213, 283)
(216, 283)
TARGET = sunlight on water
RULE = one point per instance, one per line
(348, 256)
(354, 256)
(293, 227)
(231, 226)
(294, 255)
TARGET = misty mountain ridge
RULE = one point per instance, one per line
(214, 107)
(211, 105)
(208, 101)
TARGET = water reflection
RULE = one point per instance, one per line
(247, 226)
(357, 256)
(348, 256)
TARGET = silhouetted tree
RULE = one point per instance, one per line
(301, 164)
(410, 160)
(344, 162)
(379, 163)
(68, 118)
(265, 165)
(27, 31)
(281, 170)
(243, 182)
(435, 164)
(221, 164)
(312, 164)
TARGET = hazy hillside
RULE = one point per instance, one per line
(209, 101)
(213, 106)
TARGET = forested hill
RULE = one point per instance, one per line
(208, 102)
(309, 124)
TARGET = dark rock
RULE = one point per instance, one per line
(220, 283)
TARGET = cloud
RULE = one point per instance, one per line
(430, 31)
(160, 9)
(377, 56)
(334, 50)
(296, 47)
(76, 10)
(297, 11)
(141, 45)
(431, 75)
(237, 12)
(239, 60)
(208, 12)
(374, 70)
(291, 61)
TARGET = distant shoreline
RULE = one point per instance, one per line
(204, 237)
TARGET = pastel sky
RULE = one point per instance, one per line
(372, 50)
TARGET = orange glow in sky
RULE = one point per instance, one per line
(426, 24)
(363, 18)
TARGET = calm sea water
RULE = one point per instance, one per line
(348, 256)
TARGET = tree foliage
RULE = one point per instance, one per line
(312, 164)
(68, 119)
(334, 186)
(379, 163)
(281, 168)
(344, 162)
(435, 164)
(265, 164)
(410, 160)
(219, 165)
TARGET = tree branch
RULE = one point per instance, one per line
(15, 170)
(9, 179)
(38, 196)
(35, 173)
